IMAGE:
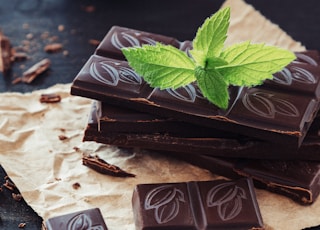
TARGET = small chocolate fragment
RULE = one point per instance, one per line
(35, 70)
(217, 204)
(5, 54)
(17, 196)
(50, 98)
(86, 219)
(22, 225)
(101, 166)
(53, 48)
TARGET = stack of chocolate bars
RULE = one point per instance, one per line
(269, 133)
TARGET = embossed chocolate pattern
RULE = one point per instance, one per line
(165, 200)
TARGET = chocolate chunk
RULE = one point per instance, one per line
(218, 204)
(279, 111)
(87, 219)
(50, 98)
(110, 125)
(104, 167)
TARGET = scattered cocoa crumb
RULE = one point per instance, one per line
(62, 137)
(94, 42)
(29, 36)
(53, 48)
(50, 98)
(62, 129)
(9, 185)
(17, 196)
(60, 28)
(89, 9)
(77, 149)
(76, 185)
(22, 225)
(65, 53)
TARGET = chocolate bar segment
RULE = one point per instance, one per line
(120, 37)
(278, 116)
(189, 139)
(86, 219)
(295, 179)
(219, 204)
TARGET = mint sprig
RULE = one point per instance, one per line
(212, 66)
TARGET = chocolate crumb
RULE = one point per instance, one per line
(62, 137)
(9, 185)
(94, 42)
(53, 48)
(17, 196)
(22, 225)
(76, 186)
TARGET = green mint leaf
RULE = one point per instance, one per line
(212, 66)
(161, 65)
(250, 64)
(213, 86)
(211, 36)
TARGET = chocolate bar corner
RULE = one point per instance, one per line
(86, 219)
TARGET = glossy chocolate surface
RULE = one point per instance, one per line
(277, 112)
(219, 204)
(86, 219)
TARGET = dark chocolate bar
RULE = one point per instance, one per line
(295, 179)
(86, 219)
(120, 130)
(280, 111)
(217, 204)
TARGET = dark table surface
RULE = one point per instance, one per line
(26, 22)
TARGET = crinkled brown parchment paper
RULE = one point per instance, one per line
(45, 168)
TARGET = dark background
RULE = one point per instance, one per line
(25, 22)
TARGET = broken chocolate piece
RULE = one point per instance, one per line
(50, 98)
(86, 219)
(129, 128)
(217, 204)
(35, 70)
(101, 166)
(5, 54)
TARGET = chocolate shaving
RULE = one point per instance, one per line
(50, 98)
(5, 54)
(101, 166)
(35, 70)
